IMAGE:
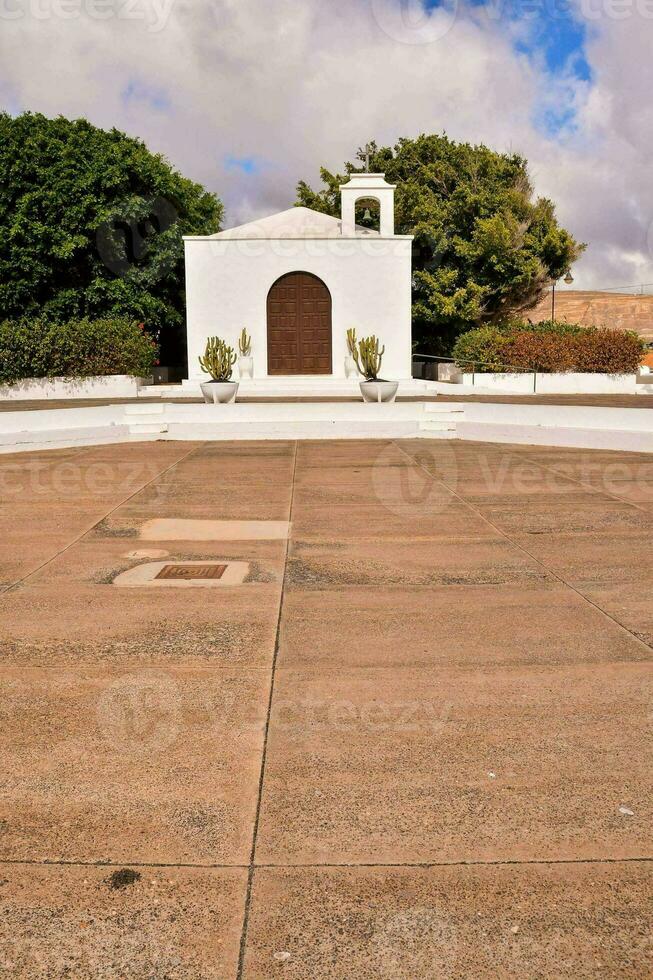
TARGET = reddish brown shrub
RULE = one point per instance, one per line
(540, 351)
(550, 347)
(607, 351)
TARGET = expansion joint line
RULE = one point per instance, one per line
(87, 530)
(525, 551)
(266, 731)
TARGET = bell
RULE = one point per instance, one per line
(367, 216)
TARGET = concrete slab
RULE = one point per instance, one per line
(312, 520)
(152, 766)
(436, 923)
(466, 625)
(70, 623)
(450, 561)
(73, 921)
(179, 529)
(402, 765)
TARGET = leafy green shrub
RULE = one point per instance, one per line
(77, 349)
(482, 349)
(549, 347)
(558, 327)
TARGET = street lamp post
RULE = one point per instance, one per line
(568, 280)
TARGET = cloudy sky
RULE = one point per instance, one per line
(248, 96)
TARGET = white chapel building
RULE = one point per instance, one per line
(297, 281)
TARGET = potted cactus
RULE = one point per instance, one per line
(350, 363)
(245, 361)
(218, 361)
(367, 358)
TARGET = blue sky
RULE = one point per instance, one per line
(548, 34)
(543, 29)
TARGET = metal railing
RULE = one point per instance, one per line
(496, 366)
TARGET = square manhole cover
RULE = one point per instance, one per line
(192, 571)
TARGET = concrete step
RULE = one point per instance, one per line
(435, 425)
(148, 428)
(440, 418)
(577, 437)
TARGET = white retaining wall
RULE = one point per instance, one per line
(550, 425)
(110, 386)
(575, 426)
(571, 383)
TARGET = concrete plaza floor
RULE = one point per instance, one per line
(414, 743)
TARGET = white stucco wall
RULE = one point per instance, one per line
(108, 386)
(570, 383)
(227, 283)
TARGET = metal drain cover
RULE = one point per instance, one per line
(192, 571)
(184, 575)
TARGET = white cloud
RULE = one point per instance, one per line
(294, 84)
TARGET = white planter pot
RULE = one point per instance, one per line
(350, 367)
(379, 391)
(219, 392)
(246, 367)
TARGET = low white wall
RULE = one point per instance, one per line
(597, 384)
(560, 416)
(517, 384)
(571, 383)
(110, 386)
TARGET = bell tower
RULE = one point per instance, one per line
(364, 186)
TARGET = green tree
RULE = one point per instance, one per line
(91, 226)
(485, 249)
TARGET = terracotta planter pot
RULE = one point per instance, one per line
(219, 392)
(379, 391)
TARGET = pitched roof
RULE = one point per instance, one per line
(622, 311)
(293, 223)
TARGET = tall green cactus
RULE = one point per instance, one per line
(351, 341)
(368, 357)
(218, 359)
(244, 344)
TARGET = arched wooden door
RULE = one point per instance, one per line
(299, 325)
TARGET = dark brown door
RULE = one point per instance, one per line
(299, 325)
